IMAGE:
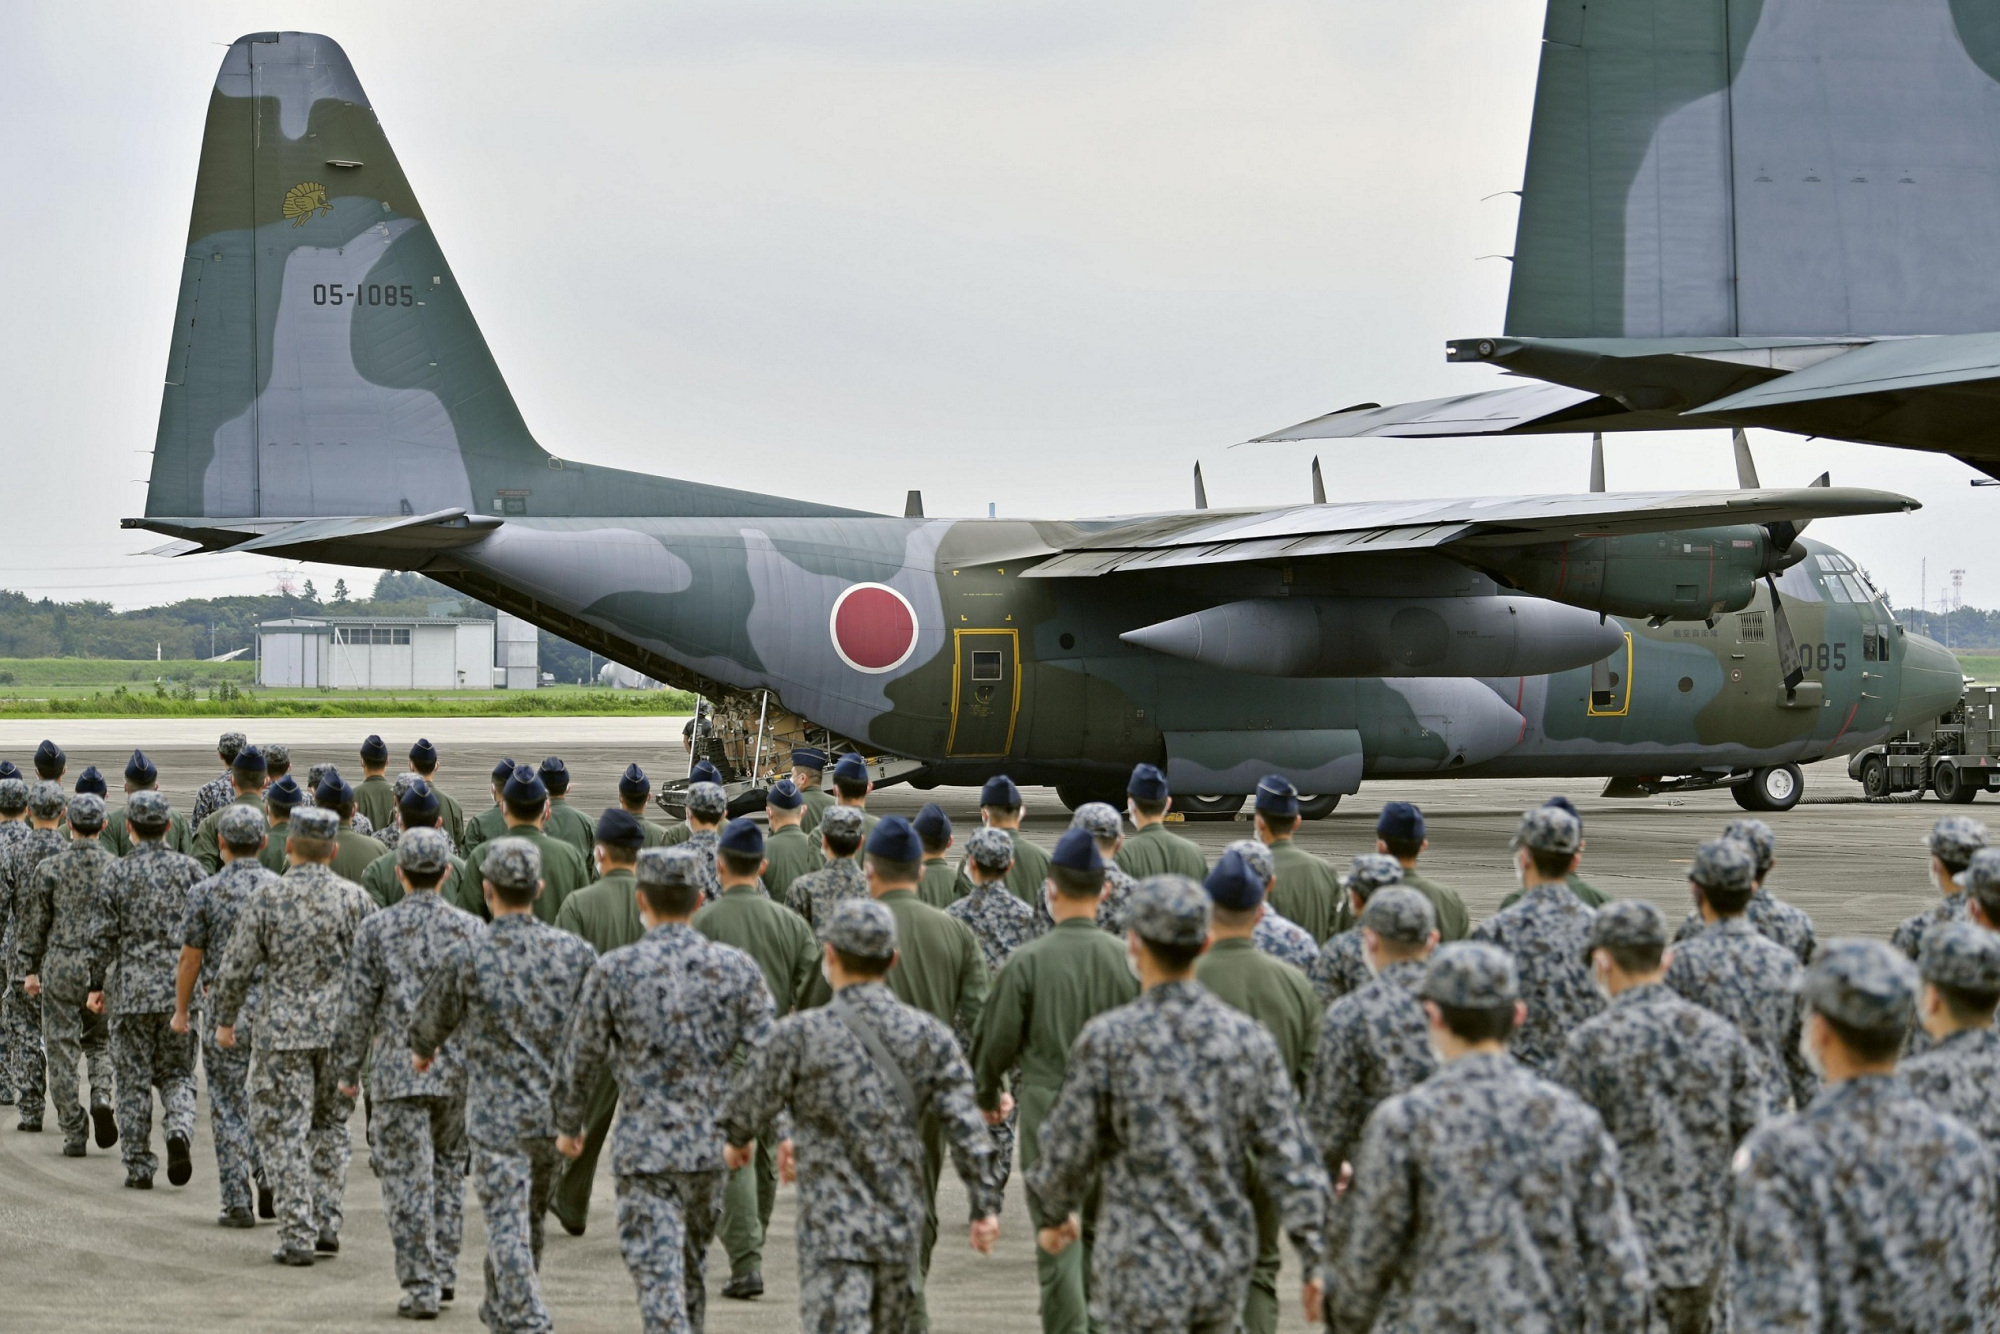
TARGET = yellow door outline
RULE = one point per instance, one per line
(958, 683)
(1624, 697)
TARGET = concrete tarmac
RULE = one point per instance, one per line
(79, 1251)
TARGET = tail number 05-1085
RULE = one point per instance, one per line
(364, 294)
(1821, 657)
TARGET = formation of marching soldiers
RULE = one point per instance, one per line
(1575, 1115)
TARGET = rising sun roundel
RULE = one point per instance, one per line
(873, 627)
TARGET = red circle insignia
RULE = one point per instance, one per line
(874, 628)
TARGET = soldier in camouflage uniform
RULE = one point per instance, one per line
(1678, 1089)
(1739, 974)
(213, 908)
(510, 994)
(1444, 1231)
(62, 918)
(1869, 1210)
(1001, 807)
(1960, 1073)
(1547, 933)
(1773, 918)
(857, 1076)
(21, 1074)
(668, 1017)
(1339, 967)
(1177, 1233)
(999, 920)
(214, 794)
(1953, 841)
(297, 936)
(813, 895)
(1276, 934)
(707, 808)
(139, 941)
(419, 1119)
(1107, 827)
(1981, 880)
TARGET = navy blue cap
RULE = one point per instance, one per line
(333, 789)
(1400, 820)
(633, 785)
(424, 755)
(1147, 783)
(933, 826)
(1562, 803)
(894, 839)
(808, 757)
(704, 772)
(49, 759)
(525, 787)
(999, 791)
(1277, 796)
(285, 793)
(743, 837)
(852, 768)
(249, 760)
(784, 795)
(419, 801)
(139, 771)
(7, 769)
(1233, 885)
(555, 775)
(503, 771)
(620, 829)
(1076, 850)
(91, 781)
(374, 750)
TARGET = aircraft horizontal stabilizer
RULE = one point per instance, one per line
(437, 531)
(1894, 365)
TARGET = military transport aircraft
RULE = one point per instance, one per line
(1779, 213)
(329, 397)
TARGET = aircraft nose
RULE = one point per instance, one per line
(1932, 681)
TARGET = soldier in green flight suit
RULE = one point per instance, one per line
(492, 824)
(1399, 832)
(1041, 999)
(788, 853)
(142, 776)
(851, 786)
(808, 772)
(451, 819)
(784, 947)
(280, 800)
(375, 797)
(565, 821)
(703, 772)
(605, 913)
(353, 852)
(246, 781)
(526, 802)
(420, 807)
(941, 886)
(939, 969)
(1279, 997)
(1308, 890)
(1592, 896)
(1000, 807)
(634, 790)
(1152, 850)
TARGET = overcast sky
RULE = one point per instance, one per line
(1043, 254)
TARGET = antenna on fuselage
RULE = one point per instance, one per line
(1597, 461)
(1200, 491)
(1319, 483)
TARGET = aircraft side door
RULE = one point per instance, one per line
(985, 692)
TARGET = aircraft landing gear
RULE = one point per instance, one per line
(1317, 808)
(1209, 808)
(1777, 788)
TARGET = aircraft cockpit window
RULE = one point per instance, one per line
(986, 665)
(1797, 584)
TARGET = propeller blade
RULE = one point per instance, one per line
(1200, 491)
(1789, 662)
(1597, 461)
(1746, 466)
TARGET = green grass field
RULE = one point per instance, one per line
(1980, 664)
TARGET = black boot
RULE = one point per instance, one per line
(179, 1166)
(328, 1244)
(745, 1286)
(235, 1218)
(105, 1123)
(138, 1181)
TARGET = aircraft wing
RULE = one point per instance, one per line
(1213, 537)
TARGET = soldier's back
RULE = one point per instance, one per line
(396, 951)
(1548, 933)
(791, 855)
(780, 943)
(573, 827)
(352, 854)
(1286, 941)
(1454, 923)
(605, 913)
(148, 894)
(939, 968)
(305, 923)
(1961, 1077)
(1374, 1043)
(1048, 990)
(998, 920)
(71, 883)
(1308, 890)
(1339, 968)
(941, 885)
(1272, 992)
(1779, 922)
(815, 895)
(214, 906)
(1909, 934)
(1154, 850)
(1750, 981)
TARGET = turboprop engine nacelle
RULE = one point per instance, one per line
(1686, 575)
(1313, 636)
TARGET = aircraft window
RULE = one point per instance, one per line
(1797, 584)
(986, 664)
(1836, 589)
(1868, 653)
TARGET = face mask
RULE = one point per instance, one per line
(1807, 1052)
(825, 973)
(1520, 873)
(1598, 980)
(1132, 964)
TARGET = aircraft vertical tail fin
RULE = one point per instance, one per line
(1761, 168)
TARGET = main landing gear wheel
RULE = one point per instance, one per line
(1208, 808)
(1874, 778)
(1073, 796)
(1777, 788)
(1317, 808)
(1951, 785)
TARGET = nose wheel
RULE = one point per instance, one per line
(1777, 788)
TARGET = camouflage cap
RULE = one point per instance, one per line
(423, 851)
(401, 784)
(314, 822)
(1101, 818)
(1370, 872)
(241, 826)
(47, 801)
(277, 756)
(1548, 829)
(1864, 984)
(1954, 838)
(1400, 916)
(1759, 838)
(1982, 874)
(149, 810)
(863, 928)
(511, 863)
(13, 795)
(1962, 955)
(666, 867)
(841, 822)
(86, 812)
(1630, 922)
(1724, 864)
(230, 745)
(707, 801)
(1466, 975)
(991, 849)
(1168, 910)
(1256, 856)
